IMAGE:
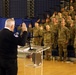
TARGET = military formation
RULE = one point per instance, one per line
(56, 31)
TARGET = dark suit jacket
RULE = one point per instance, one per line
(9, 42)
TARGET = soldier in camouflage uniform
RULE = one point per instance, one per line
(63, 38)
(41, 32)
(64, 12)
(74, 5)
(59, 16)
(36, 34)
(48, 42)
(54, 14)
(72, 33)
(30, 30)
(30, 33)
(54, 28)
(47, 22)
(68, 21)
(42, 22)
(71, 12)
(71, 2)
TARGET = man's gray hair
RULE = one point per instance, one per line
(9, 22)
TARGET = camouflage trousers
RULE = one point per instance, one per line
(48, 52)
(62, 47)
(36, 41)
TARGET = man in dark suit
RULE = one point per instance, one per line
(8, 47)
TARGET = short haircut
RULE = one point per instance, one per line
(9, 22)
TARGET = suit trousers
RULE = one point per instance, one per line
(8, 66)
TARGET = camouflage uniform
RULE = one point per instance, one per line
(48, 42)
(64, 13)
(71, 13)
(49, 23)
(42, 24)
(36, 36)
(74, 5)
(59, 16)
(72, 35)
(75, 42)
(30, 30)
(59, 19)
(63, 38)
(68, 23)
(41, 32)
(55, 35)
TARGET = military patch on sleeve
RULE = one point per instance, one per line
(16, 34)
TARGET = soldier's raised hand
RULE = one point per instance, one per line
(24, 27)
